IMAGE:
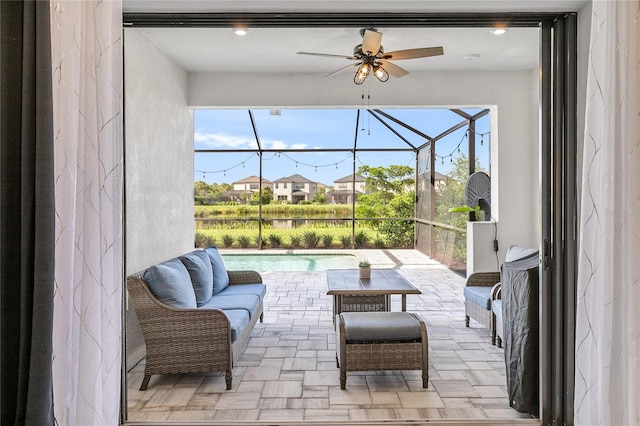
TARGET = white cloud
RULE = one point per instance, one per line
(279, 144)
(221, 140)
(299, 146)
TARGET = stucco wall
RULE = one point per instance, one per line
(159, 165)
(159, 156)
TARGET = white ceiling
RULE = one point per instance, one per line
(273, 50)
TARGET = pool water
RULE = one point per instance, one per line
(289, 262)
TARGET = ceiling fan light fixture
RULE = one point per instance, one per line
(364, 69)
(380, 73)
(359, 78)
(363, 72)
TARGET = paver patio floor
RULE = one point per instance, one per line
(288, 372)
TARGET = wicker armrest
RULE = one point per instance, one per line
(483, 279)
(244, 277)
(174, 328)
(496, 291)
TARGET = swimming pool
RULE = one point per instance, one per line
(288, 262)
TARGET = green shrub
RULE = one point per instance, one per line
(227, 240)
(311, 239)
(244, 241)
(260, 243)
(327, 240)
(295, 241)
(204, 240)
(345, 241)
(274, 240)
(361, 239)
(379, 243)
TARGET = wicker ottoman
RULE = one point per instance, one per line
(375, 341)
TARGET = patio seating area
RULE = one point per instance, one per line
(288, 372)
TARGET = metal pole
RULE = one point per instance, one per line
(432, 198)
(471, 137)
(353, 190)
(255, 133)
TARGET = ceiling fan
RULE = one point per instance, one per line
(370, 56)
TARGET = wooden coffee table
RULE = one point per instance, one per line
(351, 293)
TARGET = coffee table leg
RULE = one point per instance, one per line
(404, 302)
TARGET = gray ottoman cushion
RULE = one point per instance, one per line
(380, 326)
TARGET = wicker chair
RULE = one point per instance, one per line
(486, 283)
(188, 340)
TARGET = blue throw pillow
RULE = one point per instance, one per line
(199, 267)
(220, 276)
(171, 284)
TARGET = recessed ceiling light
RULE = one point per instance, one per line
(472, 57)
(498, 31)
(240, 32)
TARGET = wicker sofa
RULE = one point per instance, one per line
(195, 315)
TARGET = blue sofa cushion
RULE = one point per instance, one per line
(238, 318)
(479, 295)
(380, 326)
(496, 307)
(220, 276)
(199, 267)
(171, 284)
(240, 289)
(248, 302)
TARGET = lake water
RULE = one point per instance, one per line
(289, 262)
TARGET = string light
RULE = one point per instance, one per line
(316, 166)
(224, 171)
(457, 148)
(275, 155)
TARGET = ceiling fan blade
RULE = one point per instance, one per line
(326, 54)
(342, 69)
(422, 52)
(371, 42)
(393, 69)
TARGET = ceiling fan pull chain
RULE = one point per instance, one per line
(369, 108)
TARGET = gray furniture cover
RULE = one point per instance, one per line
(520, 291)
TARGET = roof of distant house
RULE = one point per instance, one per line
(438, 175)
(294, 178)
(349, 178)
(252, 179)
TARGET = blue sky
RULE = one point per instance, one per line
(317, 129)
